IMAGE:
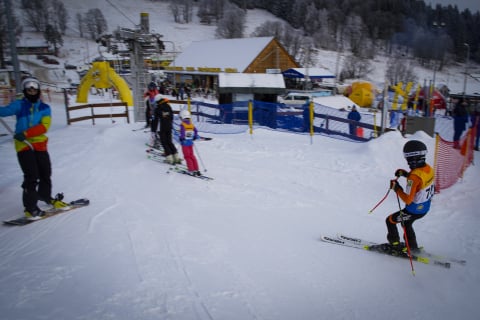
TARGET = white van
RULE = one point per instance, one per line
(295, 98)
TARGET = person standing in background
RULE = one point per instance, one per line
(353, 115)
(460, 119)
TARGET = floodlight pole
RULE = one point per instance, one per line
(466, 70)
(385, 107)
(174, 58)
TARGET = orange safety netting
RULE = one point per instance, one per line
(451, 163)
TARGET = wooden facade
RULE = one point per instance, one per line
(273, 56)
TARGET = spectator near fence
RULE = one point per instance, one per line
(355, 116)
(475, 116)
(460, 119)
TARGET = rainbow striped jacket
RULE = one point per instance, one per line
(33, 119)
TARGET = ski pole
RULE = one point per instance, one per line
(13, 133)
(405, 236)
(200, 158)
(383, 199)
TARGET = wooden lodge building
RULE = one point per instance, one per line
(203, 61)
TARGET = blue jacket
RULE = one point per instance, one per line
(354, 115)
(33, 120)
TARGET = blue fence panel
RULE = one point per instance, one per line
(278, 116)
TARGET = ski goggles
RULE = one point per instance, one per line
(32, 85)
(414, 153)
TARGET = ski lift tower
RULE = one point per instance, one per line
(141, 44)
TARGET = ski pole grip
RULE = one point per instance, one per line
(13, 133)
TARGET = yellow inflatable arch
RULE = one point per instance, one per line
(102, 76)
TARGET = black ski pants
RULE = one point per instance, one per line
(166, 140)
(37, 172)
(408, 220)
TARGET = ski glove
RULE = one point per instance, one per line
(395, 186)
(19, 136)
(401, 173)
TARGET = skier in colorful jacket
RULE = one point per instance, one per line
(33, 121)
(188, 133)
(417, 196)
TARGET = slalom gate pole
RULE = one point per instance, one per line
(311, 117)
(199, 157)
(13, 133)
(405, 237)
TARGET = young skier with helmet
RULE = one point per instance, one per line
(188, 133)
(33, 121)
(149, 98)
(417, 196)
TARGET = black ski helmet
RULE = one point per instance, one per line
(415, 153)
(152, 86)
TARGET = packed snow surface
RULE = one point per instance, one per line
(158, 245)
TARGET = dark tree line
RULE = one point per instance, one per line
(49, 17)
(427, 33)
(4, 37)
(402, 29)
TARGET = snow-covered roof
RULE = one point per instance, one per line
(222, 53)
(251, 82)
(313, 73)
(254, 80)
(31, 42)
(336, 101)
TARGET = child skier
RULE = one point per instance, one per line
(149, 98)
(417, 197)
(188, 133)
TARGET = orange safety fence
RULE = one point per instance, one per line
(451, 163)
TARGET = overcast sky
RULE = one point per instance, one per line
(473, 5)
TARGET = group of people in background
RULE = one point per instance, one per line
(182, 91)
(160, 116)
(465, 114)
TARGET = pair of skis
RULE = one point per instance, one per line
(157, 155)
(385, 248)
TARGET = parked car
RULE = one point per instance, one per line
(70, 66)
(48, 60)
(295, 98)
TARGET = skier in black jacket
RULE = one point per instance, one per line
(164, 114)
